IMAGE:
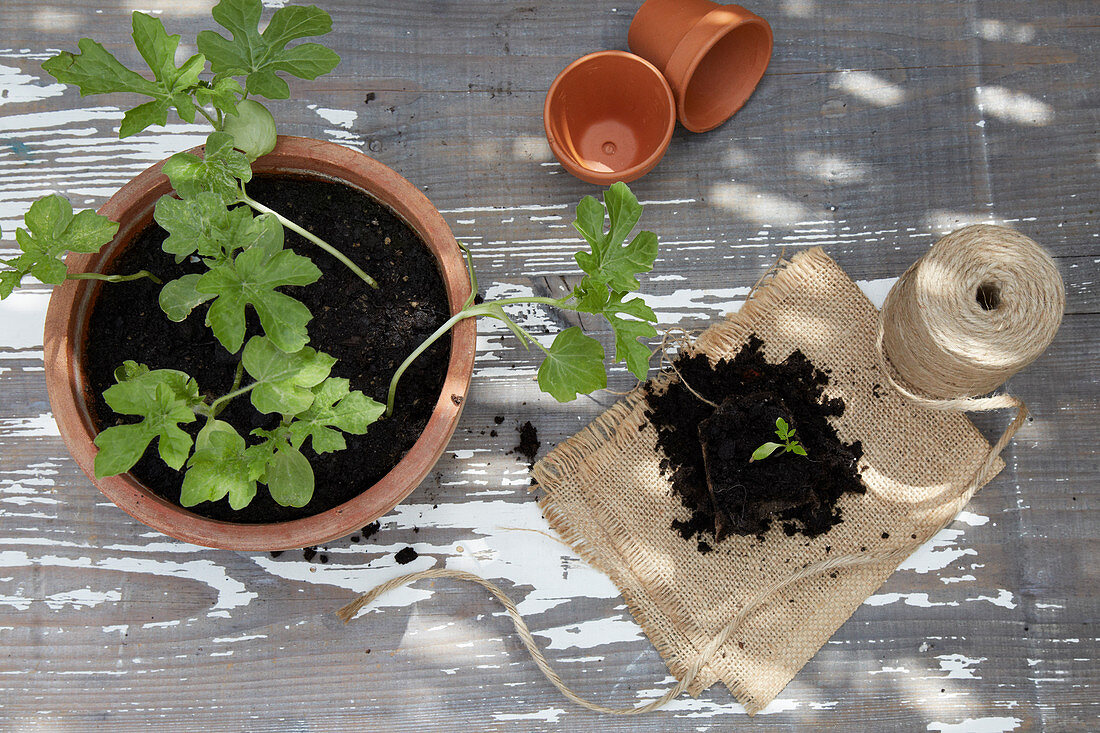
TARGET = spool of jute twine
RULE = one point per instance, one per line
(984, 302)
(981, 304)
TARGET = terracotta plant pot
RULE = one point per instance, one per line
(609, 117)
(66, 334)
(712, 55)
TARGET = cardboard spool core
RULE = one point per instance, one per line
(988, 296)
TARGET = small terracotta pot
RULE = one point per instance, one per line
(609, 117)
(712, 55)
(66, 335)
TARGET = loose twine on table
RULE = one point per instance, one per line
(981, 304)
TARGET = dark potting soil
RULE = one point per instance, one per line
(528, 445)
(707, 450)
(369, 331)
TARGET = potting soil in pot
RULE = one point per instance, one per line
(369, 331)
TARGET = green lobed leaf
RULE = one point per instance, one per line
(259, 56)
(145, 115)
(179, 297)
(591, 216)
(49, 217)
(623, 210)
(9, 281)
(129, 369)
(175, 83)
(250, 279)
(203, 225)
(50, 270)
(610, 262)
(294, 22)
(285, 381)
(335, 408)
(797, 448)
(218, 170)
(155, 45)
(163, 398)
(628, 331)
(596, 298)
(307, 61)
(221, 465)
(51, 230)
(781, 428)
(591, 297)
(574, 365)
(628, 348)
(194, 225)
(96, 71)
(223, 93)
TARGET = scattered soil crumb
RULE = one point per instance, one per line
(276, 553)
(370, 530)
(406, 556)
(309, 553)
(498, 419)
(528, 445)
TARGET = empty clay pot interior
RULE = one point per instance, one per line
(725, 76)
(611, 113)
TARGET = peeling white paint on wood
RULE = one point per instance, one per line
(978, 725)
(723, 207)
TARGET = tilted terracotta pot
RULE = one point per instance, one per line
(609, 117)
(712, 55)
(66, 334)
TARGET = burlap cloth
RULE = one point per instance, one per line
(606, 496)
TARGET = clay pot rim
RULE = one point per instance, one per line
(69, 309)
(693, 48)
(629, 174)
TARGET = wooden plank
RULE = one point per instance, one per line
(875, 131)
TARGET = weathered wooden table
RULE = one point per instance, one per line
(878, 127)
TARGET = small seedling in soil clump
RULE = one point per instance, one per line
(705, 448)
(725, 437)
(789, 444)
